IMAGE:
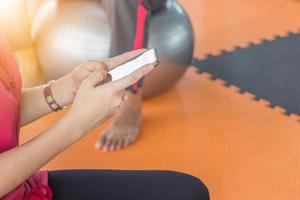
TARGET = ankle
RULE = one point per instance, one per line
(134, 102)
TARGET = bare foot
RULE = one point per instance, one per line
(125, 127)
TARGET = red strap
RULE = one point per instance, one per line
(142, 13)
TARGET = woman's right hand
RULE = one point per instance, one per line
(97, 100)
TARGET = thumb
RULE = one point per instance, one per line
(94, 79)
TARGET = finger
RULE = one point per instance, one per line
(92, 66)
(127, 81)
(118, 60)
(125, 96)
(108, 78)
(94, 79)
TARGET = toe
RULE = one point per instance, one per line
(130, 140)
(126, 142)
(107, 144)
(122, 143)
(112, 146)
(119, 144)
(101, 141)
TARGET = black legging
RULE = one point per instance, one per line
(125, 185)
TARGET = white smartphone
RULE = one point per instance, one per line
(127, 68)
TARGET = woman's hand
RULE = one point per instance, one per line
(82, 71)
(96, 99)
(64, 89)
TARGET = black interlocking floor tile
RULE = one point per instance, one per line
(270, 70)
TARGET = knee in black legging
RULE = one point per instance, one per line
(184, 186)
(126, 185)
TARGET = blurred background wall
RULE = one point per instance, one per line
(15, 23)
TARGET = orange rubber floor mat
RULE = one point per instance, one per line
(241, 149)
(222, 25)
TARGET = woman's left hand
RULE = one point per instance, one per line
(82, 71)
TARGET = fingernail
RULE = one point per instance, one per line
(125, 97)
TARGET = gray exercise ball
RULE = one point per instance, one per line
(171, 33)
(70, 33)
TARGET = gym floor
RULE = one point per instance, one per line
(239, 146)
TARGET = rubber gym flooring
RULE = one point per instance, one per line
(233, 120)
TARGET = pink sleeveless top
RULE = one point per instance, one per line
(35, 188)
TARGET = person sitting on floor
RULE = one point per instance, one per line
(94, 98)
